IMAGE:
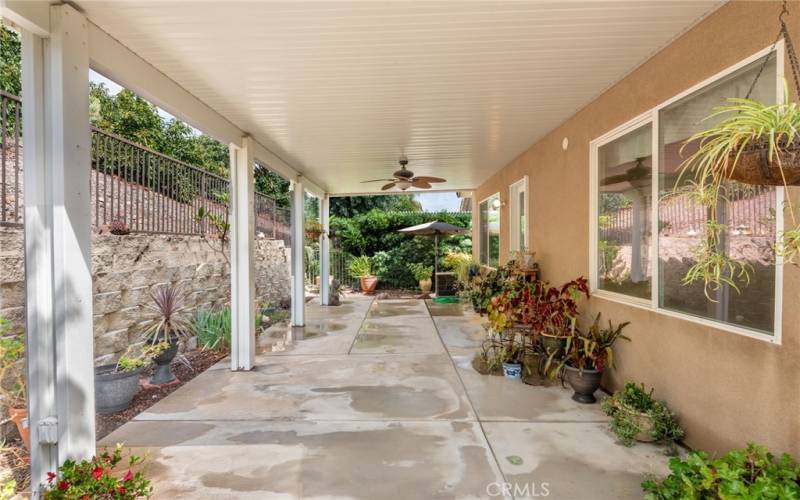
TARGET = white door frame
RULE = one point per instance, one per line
(514, 214)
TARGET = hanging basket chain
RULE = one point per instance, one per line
(790, 52)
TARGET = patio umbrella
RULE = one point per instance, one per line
(435, 229)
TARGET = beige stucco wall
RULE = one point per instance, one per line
(728, 389)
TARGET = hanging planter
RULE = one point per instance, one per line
(313, 229)
(753, 143)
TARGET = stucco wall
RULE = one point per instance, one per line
(124, 270)
(728, 389)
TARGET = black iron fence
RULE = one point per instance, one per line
(136, 187)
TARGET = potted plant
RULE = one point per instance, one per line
(116, 384)
(362, 268)
(637, 416)
(100, 477)
(422, 274)
(552, 312)
(510, 355)
(313, 229)
(586, 356)
(12, 381)
(170, 326)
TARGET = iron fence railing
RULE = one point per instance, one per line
(339, 262)
(11, 207)
(749, 210)
(135, 186)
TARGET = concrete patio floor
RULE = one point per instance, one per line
(377, 399)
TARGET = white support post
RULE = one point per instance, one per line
(325, 251)
(243, 294)
(38, 257)
(298, 256)
(69, 158)
(55, 74)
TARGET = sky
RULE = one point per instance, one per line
(431, 202)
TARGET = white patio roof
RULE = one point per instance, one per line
(339, 90)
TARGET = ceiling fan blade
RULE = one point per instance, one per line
(419, 183)
(615, 179)
(387, 186)
(377, 180)
(425, 178)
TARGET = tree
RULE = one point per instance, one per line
(10, 61)
(351, 206)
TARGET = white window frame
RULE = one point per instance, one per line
(499, 232)
(513, 216)
(652, 117)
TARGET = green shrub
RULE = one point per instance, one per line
(752, 473)
(213, 329)
(420, 271)
(361, 266)
(627, 426)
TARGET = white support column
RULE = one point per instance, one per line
(58, 243)
(298, 256)
(38, 258)
(243, 293)
(325, 250)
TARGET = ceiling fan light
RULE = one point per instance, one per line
(403, 184)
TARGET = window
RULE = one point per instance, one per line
(489, 231)
(624, 199)
(517, 215)
(642, 249)
(747, 213)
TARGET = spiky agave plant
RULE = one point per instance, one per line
(169, 303)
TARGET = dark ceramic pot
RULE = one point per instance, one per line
(584, 383)
(114, 391)
(162, 374)
(532, 369)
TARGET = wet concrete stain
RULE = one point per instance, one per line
(397, 308)
(366, 464)
(572, 477)
(391, 401)
(445, 309)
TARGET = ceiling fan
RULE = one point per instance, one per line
(405, 179)
(639, 176)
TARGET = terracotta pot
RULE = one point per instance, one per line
(368, 284)
(754, 167)
(584, 383)
(20, 417)
(643, 421)
(425, 285)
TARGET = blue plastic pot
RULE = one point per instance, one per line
(512, 370)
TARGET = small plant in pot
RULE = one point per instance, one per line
(637, 416)
(552, 312)
(586, 356)
(170, 326)
(12, 381)
(422, 274)
(116, 384)
(509, 354)
(362, 268)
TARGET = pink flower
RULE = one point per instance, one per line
(97, 473)
(51, 476)
(128, 477)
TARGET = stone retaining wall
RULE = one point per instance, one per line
(125, 268)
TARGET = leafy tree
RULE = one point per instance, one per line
(10, 61)
(349, 206)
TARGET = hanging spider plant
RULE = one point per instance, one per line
(754, 143)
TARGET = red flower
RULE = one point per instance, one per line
(122, 490)
(63, 486)
(97, 473)
(128, 477)
(51, 476)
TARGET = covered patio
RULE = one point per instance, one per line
(376, 397)
(561, 121)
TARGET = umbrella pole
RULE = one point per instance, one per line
(436, 264)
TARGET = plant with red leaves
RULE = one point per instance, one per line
(98, 479)
(553, 310)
